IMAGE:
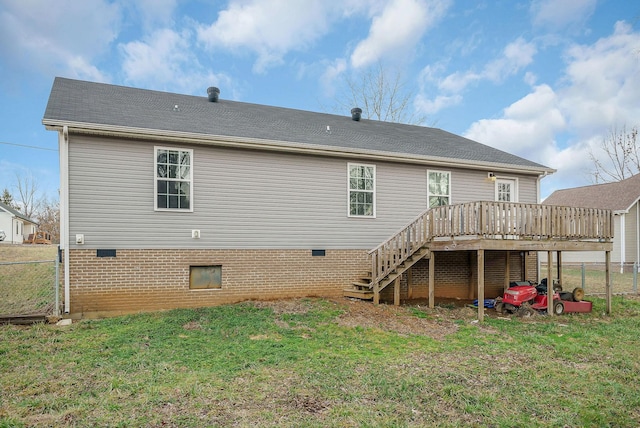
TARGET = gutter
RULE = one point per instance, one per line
(283, 146)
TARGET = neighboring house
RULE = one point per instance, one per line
(621, 198)
(16, 226)
(171, 200)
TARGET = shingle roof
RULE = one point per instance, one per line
(77, 101)
(617, 196)
(16, 213)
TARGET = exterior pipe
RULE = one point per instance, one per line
(63, 143)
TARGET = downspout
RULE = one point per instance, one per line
(637, 232)
(63, 145)
(623, 246)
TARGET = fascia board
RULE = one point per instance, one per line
(283, 146)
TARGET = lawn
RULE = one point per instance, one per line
(324, 363)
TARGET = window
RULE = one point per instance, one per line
(362, 190)
(506, 190)
(438, 188)
(174, 179)
(205, 277)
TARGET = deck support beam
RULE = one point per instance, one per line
(507, 270)
(396, 291)
(480, 254)
(432, 279)
(376, 294)
(559, 257)
(549, 282)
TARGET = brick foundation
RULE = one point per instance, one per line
(150, 280)
(455, 275)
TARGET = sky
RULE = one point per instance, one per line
(547, 80)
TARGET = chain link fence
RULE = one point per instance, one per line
(29, 288)
(592, 277)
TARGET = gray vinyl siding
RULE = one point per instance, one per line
(470, 185)
(245, 198)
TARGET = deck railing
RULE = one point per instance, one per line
(490, 220)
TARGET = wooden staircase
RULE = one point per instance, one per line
(392, 258)
(363, 288)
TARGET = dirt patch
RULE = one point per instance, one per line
(409, 319)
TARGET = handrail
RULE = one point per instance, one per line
(489, 220)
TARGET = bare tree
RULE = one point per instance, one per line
(618, 157)
(381, 94)
(27, 187)
(48, 217)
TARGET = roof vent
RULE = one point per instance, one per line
(213, 94)
(356, 113)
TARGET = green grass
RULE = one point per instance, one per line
(251, 365)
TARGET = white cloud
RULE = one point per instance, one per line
(428, 106)
(64, 39)
(331, 74)
(164, 60)
(559, 127)
(515, 57)
(601, 82)
(527, 127)
(398, 28)
(154, 12)
(269, 28)
(558, 15)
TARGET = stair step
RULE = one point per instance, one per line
(362, 285)
(358, 294)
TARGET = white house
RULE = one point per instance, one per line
(15, 225)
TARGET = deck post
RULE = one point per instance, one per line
(396, 291)
(607, 261)
(432, 279)
(410, 283)
(559, 257)
(507, 270)
(549, 282)
(376, 294)
(480, 285)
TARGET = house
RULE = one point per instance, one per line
(172, 200)
(621, 198)
(15, 225)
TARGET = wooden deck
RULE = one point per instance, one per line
(487, 225)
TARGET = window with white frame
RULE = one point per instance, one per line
(506, 190)
(438, 188)
(362, 190)
(174, 179)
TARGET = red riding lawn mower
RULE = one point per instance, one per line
(524, 298)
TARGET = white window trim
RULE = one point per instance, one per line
(429, 195)
(516, 187)
(155, 179)
(375, 186)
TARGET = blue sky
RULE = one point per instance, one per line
(544, 79)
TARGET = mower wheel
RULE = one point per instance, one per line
(499, 307)
(526, 311)
(558, 307)
(578, 294)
